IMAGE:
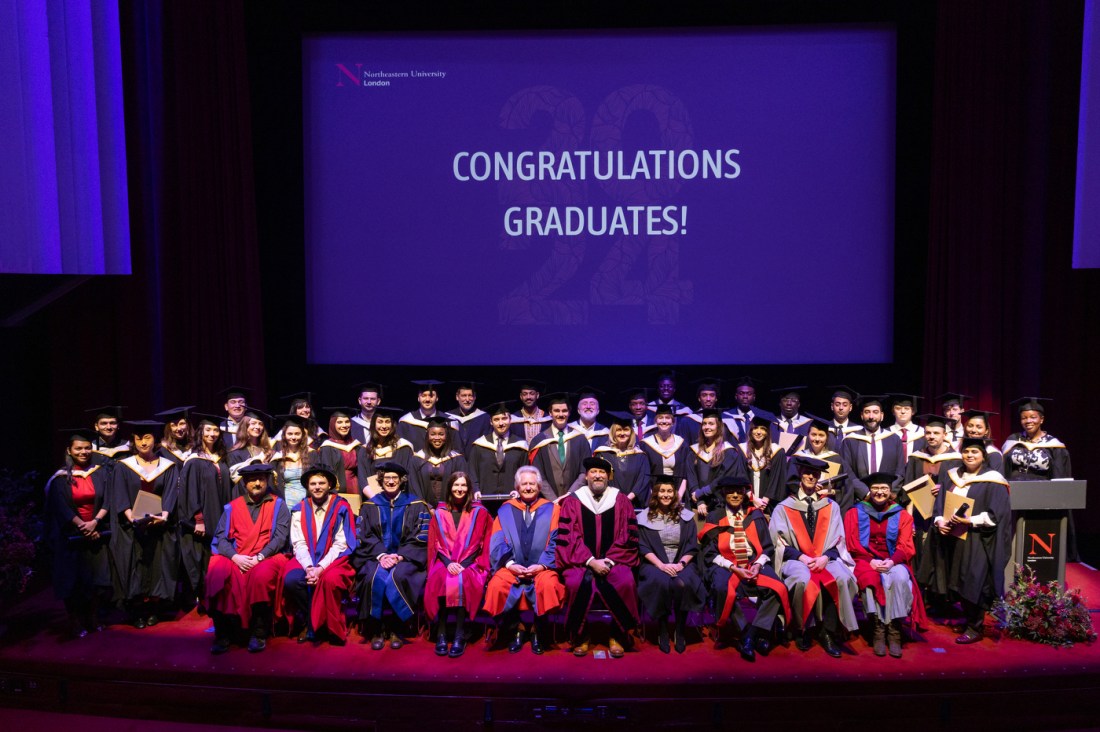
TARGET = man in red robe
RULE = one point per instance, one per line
(246, 561)
(879, 534)
(598, 549)
(319, 575)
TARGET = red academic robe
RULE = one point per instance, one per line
(466, 544)
(230, 591)
(876, 547)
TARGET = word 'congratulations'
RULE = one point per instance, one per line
(579, 165)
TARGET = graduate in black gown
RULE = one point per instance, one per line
(668, 452)
(178, 440)
(495, 457)
(712, 458)
(559, 451)
(706, 394)
(341, 453)
(145, 548)
(413, 426)
(204, 490)
(470, 421)
(251, 444)
(588, 413)
(669, 583)
(738, 419)
(108, 445)
(971, 569)
(629, 463)
(383, 446)
(430, 468)
(976, 424)
(765, 464)
(76, 516)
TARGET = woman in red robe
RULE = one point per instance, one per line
(458, 540)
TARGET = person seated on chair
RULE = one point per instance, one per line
(458, 563)
(391, 557)
(879, 533)
(597, 550)
(317, 578)
(668, 580)
(813, 559)
(246, 561)
(737, 554)
(521, 551)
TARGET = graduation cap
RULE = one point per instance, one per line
(929, 420)
(621, 419)
(636, 392)
(984, 414)
(78, 433)
(202, 418)
(881, 478)
(427, 384)
(438, 420)
(840, 391)
(708, 383)
(461, 384)
(664, 409)
(253, 413)
(299, 397)
(176, 413)
(257, 469)
(391, 467)
(363, 386)
(870, 400)
(747, 381)
(319, 470)
(809, 463)
(904, 400)
(235, 392)
(789, 391)
(505, 407)
(597, 462)
(951, 398)
(535, 384)
(139, 427)
(391, 412)
(716, 413)
(729, 483)
(113, 412)
(588, 392)
(759, 421)
(978, 442)
(294, 419)
(1031, 404)
(819, 423)
(348, 412)
(666, 373)
(661, 479)
(558, 397)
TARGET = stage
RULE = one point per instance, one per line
(167, 673)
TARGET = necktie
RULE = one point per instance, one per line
(741, 427)
(811, 517)
(790, 426)
(561, 446)
(839, 435)
(874, 455)
(500, 451)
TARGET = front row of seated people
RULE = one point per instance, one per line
(539, 560)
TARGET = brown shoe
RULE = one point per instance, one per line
(617, 650)
(580, 647)
(893, 638)
(878, 642)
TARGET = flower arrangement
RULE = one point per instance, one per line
(1043, 613)
(19, 526)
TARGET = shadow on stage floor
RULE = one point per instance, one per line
(167, 673)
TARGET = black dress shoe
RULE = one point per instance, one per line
(458, 647)
(662, 642)
(681, 643)
(747, 649)
(536, 645)
(441, 645)
(220, 646)
(256, 644)
(153, 620)
(396, 641)
(377, 643)
(803, 642)
(829, 644)
(970, 636)
(763, 645)
(139, 623)
(335, 640)
(517, 643)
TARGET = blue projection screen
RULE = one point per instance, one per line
(600, 199)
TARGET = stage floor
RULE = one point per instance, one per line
(167, 673)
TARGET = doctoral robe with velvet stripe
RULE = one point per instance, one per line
(525, 535)
(392, 526)
(887, 534)
(466, 544)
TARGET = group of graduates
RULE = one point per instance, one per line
(522, 515)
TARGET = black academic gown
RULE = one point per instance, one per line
(558, 477)
(772, 479)
(630, 473)
(739, 424)
(413, 426)
(654, 586)
(854, 458)
(400, 452)
(428, 475)
(702, 475)
(146, 559)
(470, 427)
(490, 478)
(679, 450)
(972, 569)
(205, 489)
(80, 566)
(331, 455)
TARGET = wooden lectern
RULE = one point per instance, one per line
(1040, 509)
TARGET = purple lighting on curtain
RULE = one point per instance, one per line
(1086, 220)
(62, 140)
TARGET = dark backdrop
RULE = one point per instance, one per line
(986, 301)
